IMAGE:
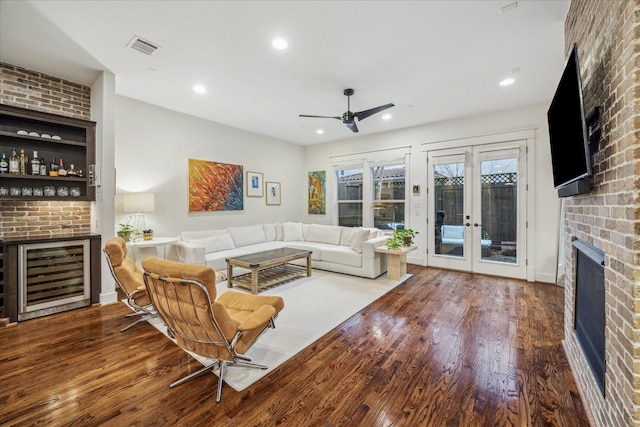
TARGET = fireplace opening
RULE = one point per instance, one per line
(589, 322)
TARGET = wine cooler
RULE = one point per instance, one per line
(53, 277)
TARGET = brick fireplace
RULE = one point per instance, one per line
(608, 218)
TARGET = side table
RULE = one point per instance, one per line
(145, 248)
(396, 261)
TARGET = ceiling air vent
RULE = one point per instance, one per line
(142, 45)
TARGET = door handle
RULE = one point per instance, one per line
(477, 225)
(467, 224)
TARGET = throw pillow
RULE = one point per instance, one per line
(269, 232)
(279, 232)
(347, 235)
(208, 242)
(292, 232)
(216, 243)
(360, 237)
(224, 242)
(189, 236)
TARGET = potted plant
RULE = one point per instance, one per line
(401, 238)
(125, 231)
(406, 236)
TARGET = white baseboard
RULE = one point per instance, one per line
(545, 278)
(108, 298)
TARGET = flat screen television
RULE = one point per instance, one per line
(570, 155)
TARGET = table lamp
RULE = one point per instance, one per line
(139, 203)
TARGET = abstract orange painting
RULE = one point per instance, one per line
(215, 186)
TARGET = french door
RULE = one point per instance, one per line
(477, 209)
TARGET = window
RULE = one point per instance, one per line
(388, 195)
(372, 194)
(350, 197)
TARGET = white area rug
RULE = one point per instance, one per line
(313, 306)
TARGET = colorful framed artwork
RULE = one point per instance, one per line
(317, 193)
(273, 193)
(255, 185)
(215, 186)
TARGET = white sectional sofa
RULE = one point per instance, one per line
(345, 250)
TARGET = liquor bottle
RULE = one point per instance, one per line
(43, 166)
(35, 164)
(53, 168)
(72, 171)
(61, 170)
(24, 162)
(4, 164)
(14, 163)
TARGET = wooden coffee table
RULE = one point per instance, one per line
(267, 268)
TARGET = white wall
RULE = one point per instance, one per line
(544, 227)
(152, 149)
(153, 145)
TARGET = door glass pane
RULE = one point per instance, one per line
(388, 196)
(449, 208)
(499, 183)
(350, 197)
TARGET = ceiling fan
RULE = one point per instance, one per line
(348, 118)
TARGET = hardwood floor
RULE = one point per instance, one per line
(444, 349)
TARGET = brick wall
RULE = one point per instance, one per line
(609, 217)
(44, 218)
(32, 90)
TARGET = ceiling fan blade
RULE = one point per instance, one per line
(366, 113)
(321, 117)
(351, 124)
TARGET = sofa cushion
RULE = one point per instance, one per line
(341, 255)
(187, 236)
(248, 235)
(308, 246)
(218, 260)
(361, 236)
(292, 232)
(324, 234)
(266, 246)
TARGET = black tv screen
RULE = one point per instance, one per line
(570, 156)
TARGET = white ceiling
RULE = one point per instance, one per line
(435, 60)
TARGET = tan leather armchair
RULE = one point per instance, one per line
(184, 295)
(129, 279)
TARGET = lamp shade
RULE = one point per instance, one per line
(139, 202)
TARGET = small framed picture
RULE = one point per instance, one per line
(255, 185)
(273, 193)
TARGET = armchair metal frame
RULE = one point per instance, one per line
(222, 350)
(143, 313)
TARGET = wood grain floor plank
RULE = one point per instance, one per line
(444, 349)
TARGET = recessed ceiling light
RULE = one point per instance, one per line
(279, 43)
(386, 116)
(199, 89)
(320, 131)
(507, 82)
